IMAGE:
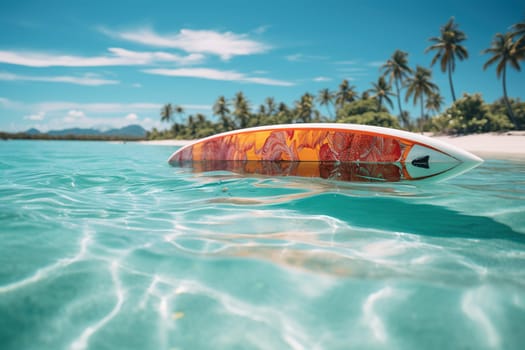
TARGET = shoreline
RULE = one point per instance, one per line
(178, 143)
(509, 145)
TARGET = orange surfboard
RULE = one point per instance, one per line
(346, 152)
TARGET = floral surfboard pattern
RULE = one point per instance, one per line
(335, 151)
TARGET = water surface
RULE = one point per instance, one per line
(105, 246)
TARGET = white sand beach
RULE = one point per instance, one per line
(509, 145)
(178, 143)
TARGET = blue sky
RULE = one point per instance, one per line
(113, 63)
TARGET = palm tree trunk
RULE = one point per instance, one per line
(450, 81)
(329, 110)
(422, 110)
(401, 115)
(422, 113)
(505, 97)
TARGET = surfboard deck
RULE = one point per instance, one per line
(346, 152)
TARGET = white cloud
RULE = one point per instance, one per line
(35, 117)
(299, 57)
(261, 29)
(149, 57)
(10, 104)
(131, 117)
(74, 116)
(267, 81)
(62, 114)
(294, 58)
(74, 113)
(87, 79)
(79, 119)
(352, 69)
(92, 108)
(100, 107)
(376, 63)
(215, 74)
(225, 45)
(105, 107)
(116, 57)
(322, 79)
(348, 62)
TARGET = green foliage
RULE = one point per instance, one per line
(25, 136)
(365, 112)
(384, 119)
(419, 86)
(398, 71)
(357, 107)
(382, 91)
(448, 47)
(470, 114)
(346, 93)
(506, 52)
(518, 109)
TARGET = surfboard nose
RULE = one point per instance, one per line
(424, 162)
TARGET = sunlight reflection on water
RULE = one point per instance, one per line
(96, 254)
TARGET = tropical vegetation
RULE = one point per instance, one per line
(397, 80)
(448, 47)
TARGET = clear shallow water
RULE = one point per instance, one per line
(105, 246)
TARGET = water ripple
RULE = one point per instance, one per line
(109, 247)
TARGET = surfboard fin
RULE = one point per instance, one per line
(421, 162)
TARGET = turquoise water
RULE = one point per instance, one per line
(105, 246)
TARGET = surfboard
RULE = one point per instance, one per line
(345, 152)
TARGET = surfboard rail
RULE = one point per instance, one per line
(373, 153)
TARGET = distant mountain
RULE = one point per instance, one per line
(33, 131)
(127, 131)
(74, 131)
(130, 130)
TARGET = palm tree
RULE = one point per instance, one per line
(201, 119)
(382, 91)
(166, 113)
(221, 109)
(283, 113)
(398, 70)
(448, 48)
(241, 109)
(305, 108)
(326, 98)
(192, 126)
(434, 102)
(178, 110)
(505, 52)
(420, 85)
(345, 94)
(518, 30)
(270, 105)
